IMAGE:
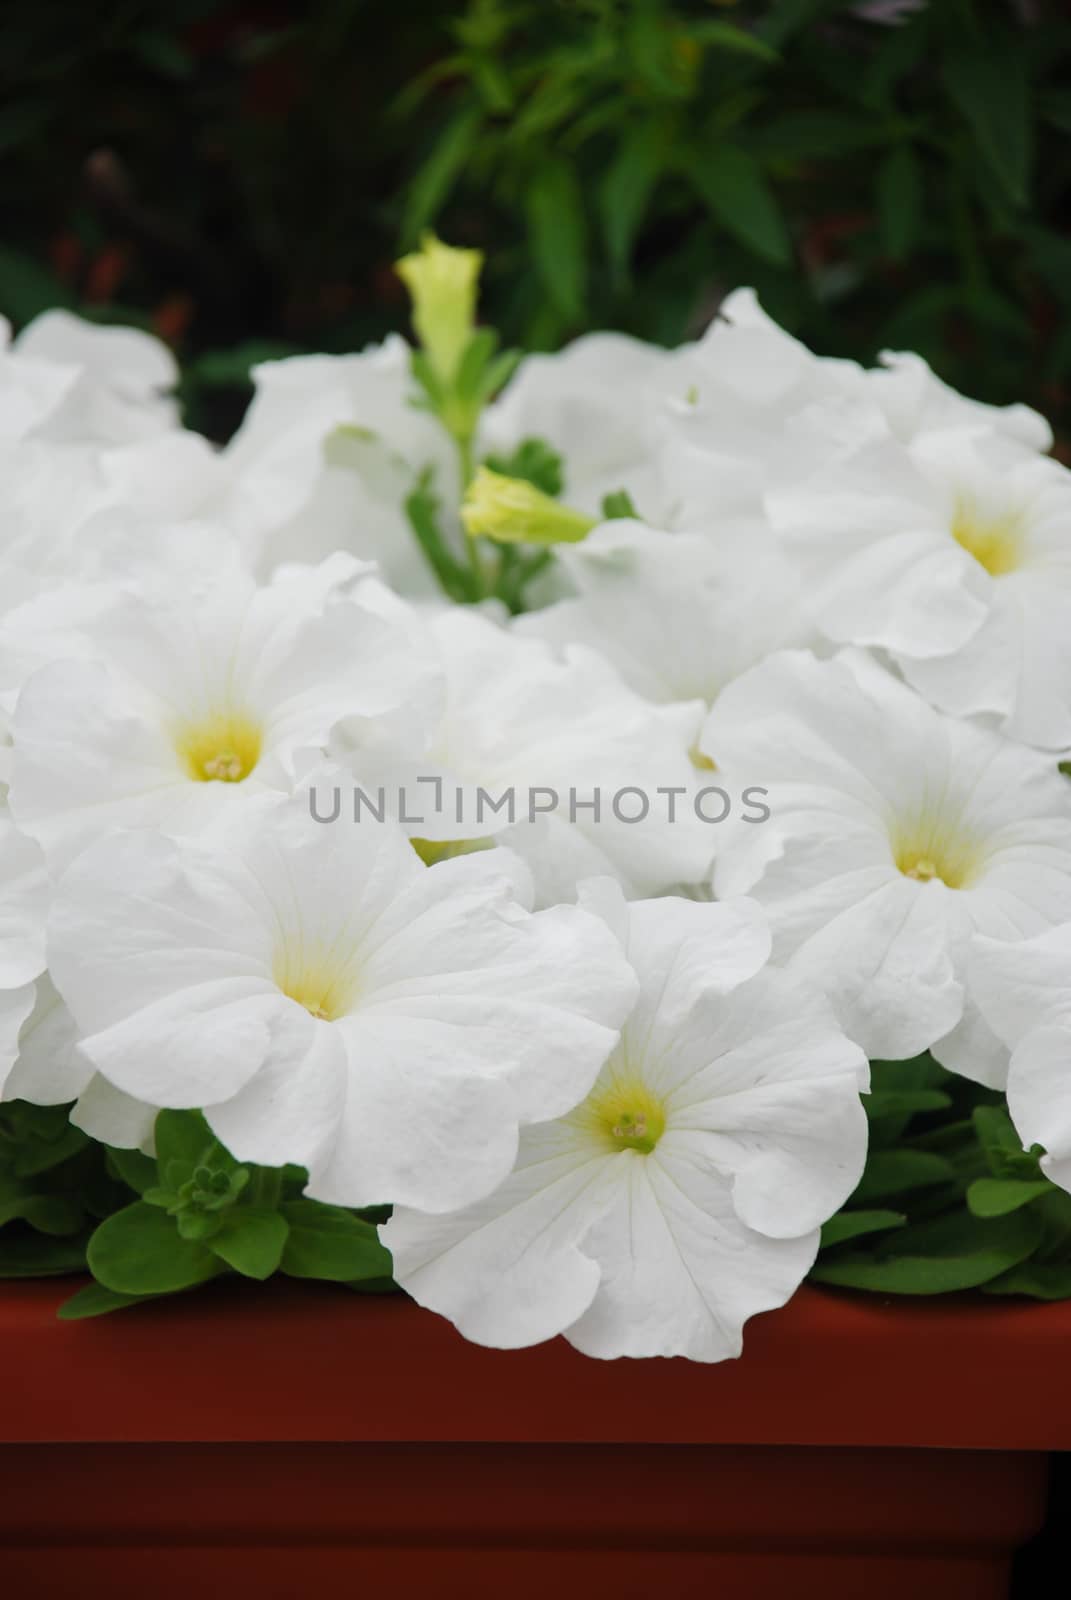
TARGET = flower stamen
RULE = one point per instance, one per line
(623, 1114)
(995, 541)
(222, 747)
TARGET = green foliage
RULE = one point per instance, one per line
(54, 1186)
(968, 1206)
(201, 1214)
(326, 1242)
(244, 182)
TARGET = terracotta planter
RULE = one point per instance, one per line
(293, 1441)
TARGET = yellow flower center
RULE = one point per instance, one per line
(995, 542)
(929, 849)
(316, 978)
(701, 761)
(623, 1114)
(222, 748)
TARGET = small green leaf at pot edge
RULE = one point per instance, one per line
(328, 1242)
(139, 1251)
(96, 1301)
(1039, 1280)
(251, 1241)
(952, 1252)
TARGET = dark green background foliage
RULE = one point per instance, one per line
(241, 177)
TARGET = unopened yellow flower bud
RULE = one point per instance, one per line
(513, 511)
(442, 284)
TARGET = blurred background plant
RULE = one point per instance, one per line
(887, 173)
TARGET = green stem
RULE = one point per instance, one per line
(467, 465)
(452, 576)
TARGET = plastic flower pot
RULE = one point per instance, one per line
(305, 1441)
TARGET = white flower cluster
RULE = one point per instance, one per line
(603, 1058)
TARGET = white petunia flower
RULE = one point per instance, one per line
(51, 493)
(685, 1193)
(952, 553)
(23, 908)
(897, 833)
(516, 722)
(189, 696)
(678, 615)
(330, 1001)
(749, 363)
(1024, 994)
(39, 1056)
(597, 403)
(324, 460)
(110, 384)
(763, 414)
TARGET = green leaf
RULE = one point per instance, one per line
(894, 1172)
(618, 505)
(327, 1242)
(433, 182)
(477, 355)
(1041, 1280)
(991, 90)
(555, 99)
(1002, 1146)
(558, 234)
(47, 1151)
(953, 1252)
(900, 1102)
(731, 184)
(626, 189)
(920, 1074)
(251, 1241)
(192, 1225)
(498, 373)
(139, 1251)
(49, 1213)
(724, 36)
(854, 1224)
(95, 1301)
(995, 1197)
(492, 82)
(182, 1138)
(899, 200)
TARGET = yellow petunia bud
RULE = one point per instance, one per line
(442, 284)
(513, 511)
